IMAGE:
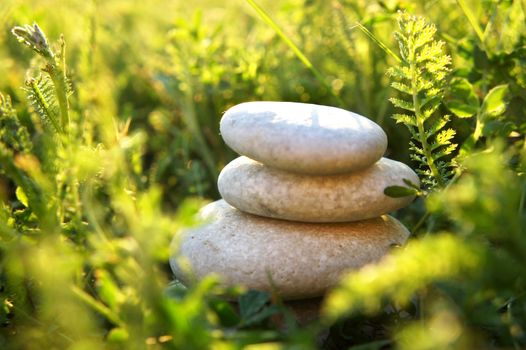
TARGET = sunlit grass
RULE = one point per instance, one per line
(105, 158)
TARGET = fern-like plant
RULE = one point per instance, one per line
(420, 79)
(47, 93)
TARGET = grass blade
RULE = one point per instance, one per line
(377, 41)
(472, 20)
(270, 22)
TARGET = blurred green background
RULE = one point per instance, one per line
(174, 67)
(86, 221)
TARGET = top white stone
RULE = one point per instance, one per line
(303, 138)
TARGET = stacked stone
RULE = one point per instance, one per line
(304, 203)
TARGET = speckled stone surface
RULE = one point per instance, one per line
(257, 189)
(302, 259)
(303, 138)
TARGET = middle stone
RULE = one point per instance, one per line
(261, 190)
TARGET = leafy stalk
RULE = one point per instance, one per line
(420, 118)
(420, 79)
(57, 72)
(33, 37)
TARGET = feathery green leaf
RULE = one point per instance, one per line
(402, 104)
(421, 75)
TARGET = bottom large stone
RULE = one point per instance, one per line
(298, 260)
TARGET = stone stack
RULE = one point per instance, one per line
(304, 203)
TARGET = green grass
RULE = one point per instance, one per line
(110, 143)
